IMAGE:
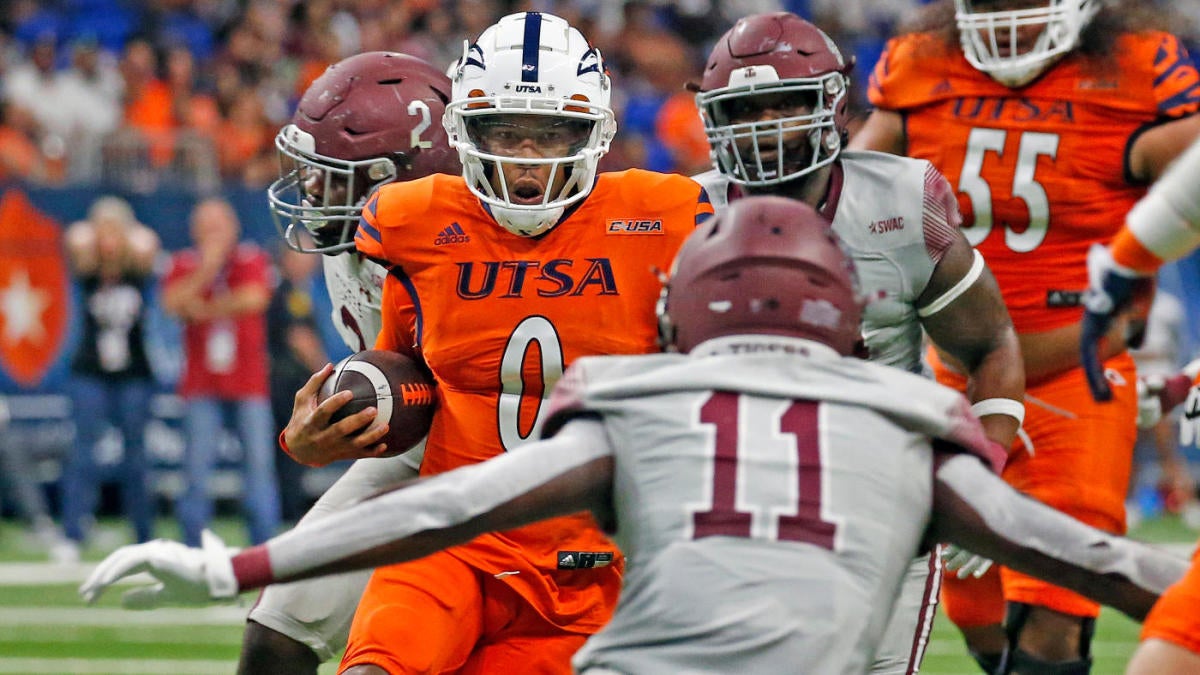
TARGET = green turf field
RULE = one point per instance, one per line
(45, 629)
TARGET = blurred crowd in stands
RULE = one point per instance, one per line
(132, 93)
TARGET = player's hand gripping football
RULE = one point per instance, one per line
(183, 575)
(964, 563)
(313, 440)
(1111, 288)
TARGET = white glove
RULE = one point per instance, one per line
(966, 563)
(1149, 404)
(1189, 424)
(184, 575)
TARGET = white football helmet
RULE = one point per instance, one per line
(530, 63)
(991, 39)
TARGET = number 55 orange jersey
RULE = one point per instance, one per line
(1041, 171)
(498, 317)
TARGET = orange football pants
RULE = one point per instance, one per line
(1176, 616)
(440, 615)
(1079, 463)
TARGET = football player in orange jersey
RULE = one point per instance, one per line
(1050, 117)
(526, 262)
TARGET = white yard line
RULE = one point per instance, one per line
(103, 616)
(30, 666)
(41, 574)
(46, 573)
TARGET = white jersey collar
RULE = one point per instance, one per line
(761, 344)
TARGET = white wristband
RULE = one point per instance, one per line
(1000, 406)
(939, 303)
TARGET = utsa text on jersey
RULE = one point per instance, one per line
(550, 279)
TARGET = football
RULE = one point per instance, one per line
(400, 388)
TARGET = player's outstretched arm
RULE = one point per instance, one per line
(977, 510)
(569, 473)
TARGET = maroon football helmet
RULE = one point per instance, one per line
(767, 265)
(369, 119)
(782, 62)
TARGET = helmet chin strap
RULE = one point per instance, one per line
(527, 223)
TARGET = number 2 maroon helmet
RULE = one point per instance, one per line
(767, 265)
(370, 119)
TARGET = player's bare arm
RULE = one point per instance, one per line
(882, 132)
(1154, 149)
(977, 510)
(976, 334)
(313, 441)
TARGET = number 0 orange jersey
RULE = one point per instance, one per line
(499, 317)
(1040, 171)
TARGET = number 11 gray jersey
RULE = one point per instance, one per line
(768, 504)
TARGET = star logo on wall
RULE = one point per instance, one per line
(22, 306)
(35, 293)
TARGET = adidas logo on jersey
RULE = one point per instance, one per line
(1063, 298)
(579, 560)
(453, 234)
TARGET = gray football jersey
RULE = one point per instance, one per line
(881, 216)
(355, 287)
(768, 504)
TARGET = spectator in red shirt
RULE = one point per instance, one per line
(220, 290)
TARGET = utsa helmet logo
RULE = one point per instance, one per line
(34, 294)
(589, 62)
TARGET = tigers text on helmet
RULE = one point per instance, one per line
(370, 119)
(524, 67)
(767, 265)
(773, 99)
(1015, 46)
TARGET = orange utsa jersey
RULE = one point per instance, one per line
(1040, 171)
(498, 317)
